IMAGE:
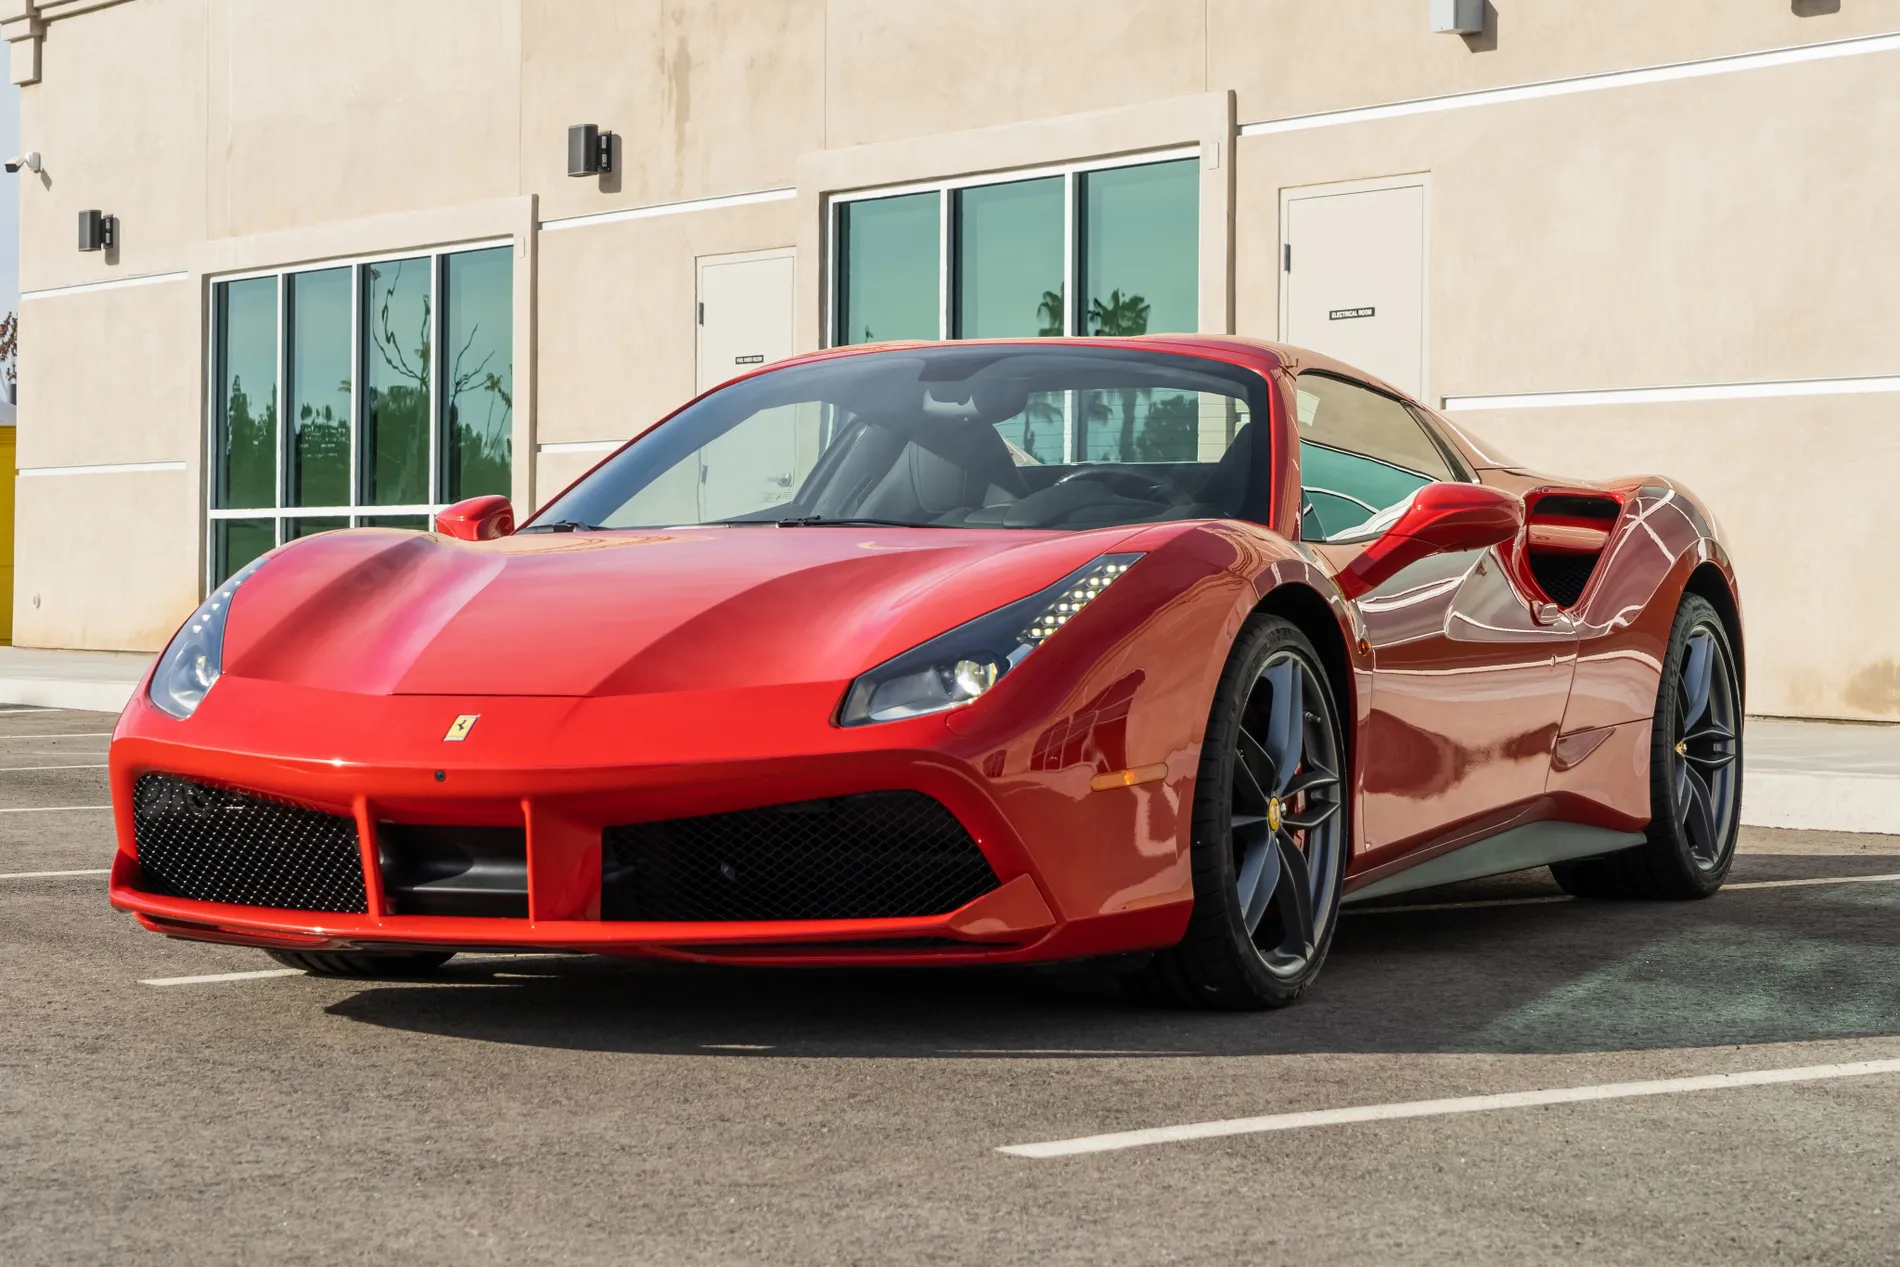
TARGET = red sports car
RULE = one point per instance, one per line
(984, 652)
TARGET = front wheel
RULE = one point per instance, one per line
(1695, 774)
(1269, 833)
(342, 963)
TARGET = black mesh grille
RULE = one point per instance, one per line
(1562, 575)
(881, 855)
(216, 845)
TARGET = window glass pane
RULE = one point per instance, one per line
(294, 528)
(1360, 453)
(419, 522)
(947, 435)
(246, 443)
(319, 389)
(1141, 425)
(397, 342)
(887, 269)
(478, 434)
(1009, 260)
(235, 542)
(1141, 249)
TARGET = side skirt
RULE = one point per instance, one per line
(1517, 849)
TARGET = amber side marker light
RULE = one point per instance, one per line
(1128, 778)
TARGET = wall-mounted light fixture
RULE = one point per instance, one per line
(1458, 17)
(98, 231)
(590, 151)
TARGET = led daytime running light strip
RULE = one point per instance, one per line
(1087, 589)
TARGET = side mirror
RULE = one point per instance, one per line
(1441, 518)
(477, 519)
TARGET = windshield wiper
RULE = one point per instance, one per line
(563, 525)
(819, 521)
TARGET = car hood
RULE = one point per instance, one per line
(384, 612)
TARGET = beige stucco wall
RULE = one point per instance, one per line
(107, 562)
(707, 97)
(1294, 57)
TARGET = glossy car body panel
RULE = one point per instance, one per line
(625, 677)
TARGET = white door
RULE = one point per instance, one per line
(745, 320)
(1354, 279)
(745, 313)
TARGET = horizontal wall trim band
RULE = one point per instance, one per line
(1768, 390)
(103, 468)
(117, 283)
(1581, 83)
(582, 446)
(668, 209)
(318, 512)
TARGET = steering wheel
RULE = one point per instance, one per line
(1131, 484)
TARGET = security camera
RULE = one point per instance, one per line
(29, 160)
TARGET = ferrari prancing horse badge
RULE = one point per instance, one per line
(459, 728)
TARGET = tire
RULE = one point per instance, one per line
(1695, 755)
(342, 963)
(1270, 834)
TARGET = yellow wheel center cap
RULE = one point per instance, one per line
(1682, 747)
(1273, 813)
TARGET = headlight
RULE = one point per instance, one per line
(194, 658)
(959, 666)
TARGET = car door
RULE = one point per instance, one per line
(1470, 673)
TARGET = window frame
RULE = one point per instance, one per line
(946, 191)
(357, 512)
(1454, 460)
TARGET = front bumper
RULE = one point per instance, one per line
(1080, 872)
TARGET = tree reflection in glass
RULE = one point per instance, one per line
(478, 439)
(319, 388)
(396, 365)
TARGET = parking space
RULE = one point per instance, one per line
(551, 1108)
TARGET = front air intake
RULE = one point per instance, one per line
(213, 844)
(879, 855)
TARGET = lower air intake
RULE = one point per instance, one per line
(880, 855)
(216, 845)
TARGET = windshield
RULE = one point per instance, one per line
(948, 436)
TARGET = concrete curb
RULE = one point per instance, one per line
(1821, 801)
(101, 697)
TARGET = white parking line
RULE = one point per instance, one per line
(70, 734)
(1565, 897)
(23, 769)
(50, 809)
(1439, 1108)
(1801, 884)
(43, 875)
(211, 977)
(1456, 906)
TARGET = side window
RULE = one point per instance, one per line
(1360, 453)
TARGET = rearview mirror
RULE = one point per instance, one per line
(1440, 519)
(477, 519)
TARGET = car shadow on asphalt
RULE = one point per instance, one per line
(1761, 965)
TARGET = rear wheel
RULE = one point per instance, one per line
(1269, 833)
(350, 963)
(1695, 774)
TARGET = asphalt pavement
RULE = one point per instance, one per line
(567, 1109)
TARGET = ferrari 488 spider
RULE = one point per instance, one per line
(1156, 648)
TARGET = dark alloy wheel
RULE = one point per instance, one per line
(1269, 837)
(350, 963)
(1695, 774)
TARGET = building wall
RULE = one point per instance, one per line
(1724, 228)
